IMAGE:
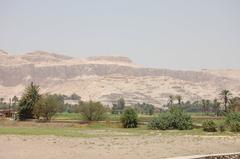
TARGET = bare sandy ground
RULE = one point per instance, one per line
(130, 147)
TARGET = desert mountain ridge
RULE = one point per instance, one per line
(107, 78)
(45, 58)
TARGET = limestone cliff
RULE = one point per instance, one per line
(108, 78)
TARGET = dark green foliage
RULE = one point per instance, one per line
(119, 106)
(144, 108)
(176, 118)
(28, 100)
(46, 106)
(129, 118)
(233, 121)
(92, 111)
(209, 126)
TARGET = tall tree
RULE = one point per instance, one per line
(27, 102)
(204, 106)
(1, 100)
(216, 107)
(92, 111)
(179, 99)
(170, 100)
(15, 99)
(225, 95)
(207, 105)
(46, 106)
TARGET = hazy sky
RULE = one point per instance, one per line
(180, 34)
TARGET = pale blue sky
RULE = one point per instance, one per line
(176, 34)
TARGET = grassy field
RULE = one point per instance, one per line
(67, 116)
(93, 129)
(109, 117)
(197, 117)
(70, 125)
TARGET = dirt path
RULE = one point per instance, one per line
(141, 147)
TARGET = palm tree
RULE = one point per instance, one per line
(15, 99)
(171, 100)
(1, 100)
(216, 106)
(204, 106)
(179, 99)
(225, 96)
(207, 106)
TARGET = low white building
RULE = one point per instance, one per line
(71, 102)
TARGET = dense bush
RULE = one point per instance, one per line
(181, 120)
(161, 122)
(92, 111)
(233, 121)
(176, 118)
(129, 118)
(209, 126)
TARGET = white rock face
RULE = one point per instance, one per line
(107, 78)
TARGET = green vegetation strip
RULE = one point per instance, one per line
(102, 130)
(68, 132)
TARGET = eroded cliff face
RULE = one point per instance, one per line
(108, 78)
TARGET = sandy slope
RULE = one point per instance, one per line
(140, 147)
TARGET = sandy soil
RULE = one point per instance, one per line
(140, 147)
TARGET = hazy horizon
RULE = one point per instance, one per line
(162, 34)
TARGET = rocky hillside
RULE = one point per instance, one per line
(108, 78)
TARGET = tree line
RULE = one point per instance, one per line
(225, 103)
(32, 104)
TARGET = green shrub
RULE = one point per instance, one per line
(176, 118)
(181, 120)
(233, 121)
(161, 122)
(209, 126)
(92, 111)
(46, 107)
(129, 118)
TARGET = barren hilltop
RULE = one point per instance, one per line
(107, 78)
